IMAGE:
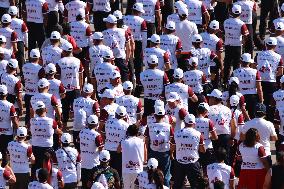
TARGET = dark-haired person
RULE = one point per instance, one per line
(221, 171)
(188, 143)
(255, 164)
(8, 124)
(265, 129)
(157, 180)
(144, 178)
(274, 176)
(69, 162)
(42, 176)
(134, 154)
(249, 83)
(21, 155)
(206, 127)
(42, 129)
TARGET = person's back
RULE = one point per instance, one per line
(185, 30)
(265, 128)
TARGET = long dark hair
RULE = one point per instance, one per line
(158, 178)
(251, 137)
(233, 88)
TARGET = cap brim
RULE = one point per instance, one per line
(171, 100)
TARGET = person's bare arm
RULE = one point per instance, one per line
(265, 163)
(232, 184)
(273, 138)
(213, 135)
(20, 102)
(233, 127)
(201, 148)
(159, 20)
(259, 91)
(267, 180)
(194, 98)
(279, 71)
(207, 18)
(15, 122)
(81, 80)
(15, 47)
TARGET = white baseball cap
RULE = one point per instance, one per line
(271, 41)
(152, 163)
(234, 100)
(189, 119)
(155, 38)
(88, 88)
(171, 25)
(104, 156)
(108, 93)
(234, 79)
(97, 185)
(159, 103)
(66, 138)
(193, 60)
(138, 7)
(178, 73)
(98, 35)
(246, 57)
(34, 53)
(182, 10)
(121, 111)
(236, 9)
(2, 50)
(55, 35)
(282, 79)
(39, 105)
(214, 24)
(42, 83)
(13, 10)
(3, 90)
(110, 19)
(127, 85)
(152, 59)
(115, 75)
(22, 132)
(279, 26)
(216, 93)
(204, 105)
(93, 119)
(3, 39)
(108, 54)
(118, 14)
(197, 38)
(13, 63)
(50, 68)
(160, 110)
(67, 46)
(173, 96)
(6, 18)
(178, 4)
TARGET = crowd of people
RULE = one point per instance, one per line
(166, 95)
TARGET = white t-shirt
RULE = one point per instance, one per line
(115, 131)
(234, 31)
(187, 145)
(132, 155)
(265, 130)
(38, 185)
(19, 154)
(220, 171)
(251, 156)
(51, 54)
(221, 116)
(185, 30)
